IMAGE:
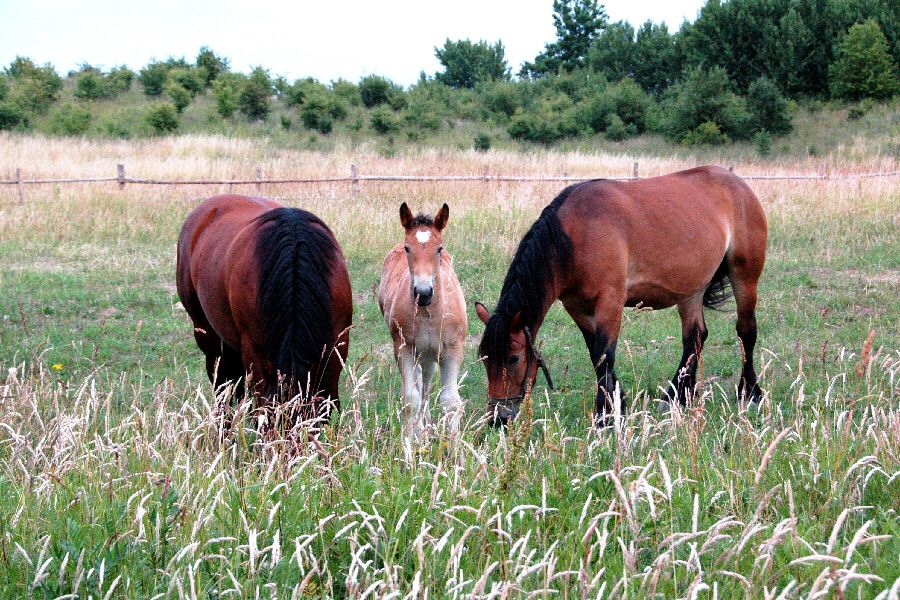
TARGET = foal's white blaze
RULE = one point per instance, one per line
(423, 236)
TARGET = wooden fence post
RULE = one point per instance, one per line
(484, 173)
(258, 184)
(635, 170)
(354, 179)
(19, 185)
(120, 173)
(731, 168)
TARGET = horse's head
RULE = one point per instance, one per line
(511, 361)
(422, 243)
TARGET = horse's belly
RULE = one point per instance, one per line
(651, 295)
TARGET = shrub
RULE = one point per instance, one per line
(12, 116)
(863, 67)
(705, 133)
(211, 65)
(424, 114)
(153, 78)
(859, 111)
(120, 78)
(193, 80)
(163, 118)
(629, 102)
(69, 119)
(286, 122)
(531, 127)
(763, 142)
(550, 119)
(616, 130)
(347, 91)
(482, 142)
(706, 97)
(501, 98)
(227, 90)
(254, 97)
(397, 100)
(319, 112)
(466, 63)
(375, 90)
(384, 120)
(90, 85)
(296, 93)
(32, 88)
(768, 107)
(179, 96)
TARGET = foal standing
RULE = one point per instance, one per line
(423, 306)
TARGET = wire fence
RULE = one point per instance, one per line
(355, 178)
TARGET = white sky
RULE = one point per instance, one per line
(325, 40)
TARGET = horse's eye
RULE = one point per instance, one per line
(440, 249)
(513, 360)
(406, 248)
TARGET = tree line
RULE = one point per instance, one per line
(731, 74)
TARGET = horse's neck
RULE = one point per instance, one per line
(540, 312)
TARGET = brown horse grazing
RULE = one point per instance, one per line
(423, 306)
(674, 240)
(269, 294)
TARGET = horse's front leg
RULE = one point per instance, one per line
(451, 403)
(411, 375)
(607, 322)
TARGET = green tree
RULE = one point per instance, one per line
(375, 90)
(153, 77)
(254, 97)
(163, 118)
(227, 90)
(91, 85)
(211, 64)
(863, 67)
(656, 59)
(613, 53)
(706, 96)
(466, 63)
(768, 107)
(191, 79)
(178, 94)
(577, 23)
(120, 79)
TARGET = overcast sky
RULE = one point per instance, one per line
(326, 40)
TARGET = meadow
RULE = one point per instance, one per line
(115, 481)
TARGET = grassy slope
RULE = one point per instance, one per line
(111, 472)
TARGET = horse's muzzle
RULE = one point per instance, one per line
(424, 296)
(501, 411)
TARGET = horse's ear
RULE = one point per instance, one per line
(406, 216)
(440, 220)
(483, 313)
(517, 323)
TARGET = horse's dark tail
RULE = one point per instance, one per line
(295, 253)
(718, 292)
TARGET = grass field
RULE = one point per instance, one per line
(113, 481)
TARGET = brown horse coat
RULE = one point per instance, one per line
(269, 294)
(674, 240)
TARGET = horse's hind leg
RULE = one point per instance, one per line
(745, 298)
(693, 335)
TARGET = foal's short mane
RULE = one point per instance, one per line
(421, 219)
(544, 252)
(295, 253)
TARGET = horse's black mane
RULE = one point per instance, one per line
(542, 254)
(295, 253)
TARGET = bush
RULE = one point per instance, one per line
(548, 120)
(32, 89)
(706, 97)
(859, 111)
(863, 67)
(616, 130)
(69, 119)
(384, 120)
(763, 142)
(211, 65)
(482, 142)
(227, 90)
(179, 96)
(163, 118)
(254, 97)
(424, 114)
(90, 85)
(12, 116)
(501, 98)
(120, 78)
(153, 78)
(375, 90)
(193, 80)
(346, 91)
(319, 112)
(768, 107)
(297, 93)
(286, 122)
(630, 103)
(705, 133)
(466, 63)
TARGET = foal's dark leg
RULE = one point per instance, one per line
(693, 335)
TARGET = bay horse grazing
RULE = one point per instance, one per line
(269, 294)
(675, 240)
(423, 306)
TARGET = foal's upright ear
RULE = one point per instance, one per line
(483, 313)
(406, 216)
(440, 220)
